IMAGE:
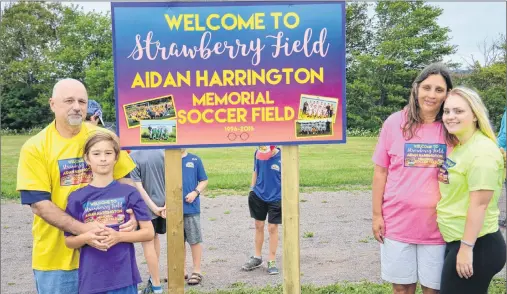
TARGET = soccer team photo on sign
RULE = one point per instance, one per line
(253, 147)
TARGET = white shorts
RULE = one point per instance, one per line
(404, 263)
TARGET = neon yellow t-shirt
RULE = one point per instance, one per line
(51, 163)
(476, 165)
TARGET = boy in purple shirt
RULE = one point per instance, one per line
(105, 201)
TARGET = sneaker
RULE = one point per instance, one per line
(252, 263)
(272, 269)
(147, 289)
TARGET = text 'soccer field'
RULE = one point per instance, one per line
(211, 74)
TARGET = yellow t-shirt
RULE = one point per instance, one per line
(51, 163)
(476, 165)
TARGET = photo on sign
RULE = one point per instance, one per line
(152, 109)
(158, 131)
(314, 128)
(316, 107)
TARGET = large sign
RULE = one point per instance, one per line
(210, 74)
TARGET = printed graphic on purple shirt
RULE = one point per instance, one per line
(74, 171)
(443, 171)
(102, 271)
(107, 211)
(424, 155)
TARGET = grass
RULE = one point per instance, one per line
(322, 167)
(308, 235)
(497, 287)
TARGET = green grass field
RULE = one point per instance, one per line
(497, 287)
(322, 167)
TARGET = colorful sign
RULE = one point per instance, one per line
(218, 74)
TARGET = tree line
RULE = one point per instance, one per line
(385, 50)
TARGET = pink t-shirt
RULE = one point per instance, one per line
(411, 192)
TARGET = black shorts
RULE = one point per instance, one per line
(259, 209)
(159, 225)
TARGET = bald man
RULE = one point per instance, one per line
(50, 167)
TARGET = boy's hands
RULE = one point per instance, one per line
(93, 239)
(113, 237)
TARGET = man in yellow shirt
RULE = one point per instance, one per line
(50, 167)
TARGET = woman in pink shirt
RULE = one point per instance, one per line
(410, 148)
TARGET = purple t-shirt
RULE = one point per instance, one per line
(115, 268)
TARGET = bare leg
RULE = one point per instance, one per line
(273, 240)
(404, 289)
(152, 260)
(259, 237)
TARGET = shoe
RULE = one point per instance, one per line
(252, 263)
(147, 289)
(272, 269)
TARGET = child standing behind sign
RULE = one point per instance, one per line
(265, 199)
(149, 179)
(195, 181)
(105, 201)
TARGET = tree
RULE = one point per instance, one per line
(27, 32)
(44, 42)
(406, 38)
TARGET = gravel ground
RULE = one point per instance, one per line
(341, 249)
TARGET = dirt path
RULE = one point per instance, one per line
(341, 249)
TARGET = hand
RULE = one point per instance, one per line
(131, 225)
(113, 237)
(191, 197)
(158, 210)
(93, 239)
(464, 262)
(378, 228)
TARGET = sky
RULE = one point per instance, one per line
(470, 22)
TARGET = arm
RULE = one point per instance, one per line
(378, 186)
(90, 237)
(144, 195)
(144, 234)
(479, 201)
(56, 217)
(254, 179)
(202, 185)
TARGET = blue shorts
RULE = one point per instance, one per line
(56, 282)
(67, 282)
(125, 290)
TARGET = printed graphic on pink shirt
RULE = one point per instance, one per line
(424, 155)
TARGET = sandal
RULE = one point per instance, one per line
(195, 279)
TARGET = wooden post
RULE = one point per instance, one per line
(290, 219)
(174, 221)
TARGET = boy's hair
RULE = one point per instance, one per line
(479, 110)
(100, 136)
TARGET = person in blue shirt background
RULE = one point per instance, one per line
(502, 144)
(265, 199)
(195, 181)
(501, 133)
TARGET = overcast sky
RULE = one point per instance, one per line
(470, 23)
